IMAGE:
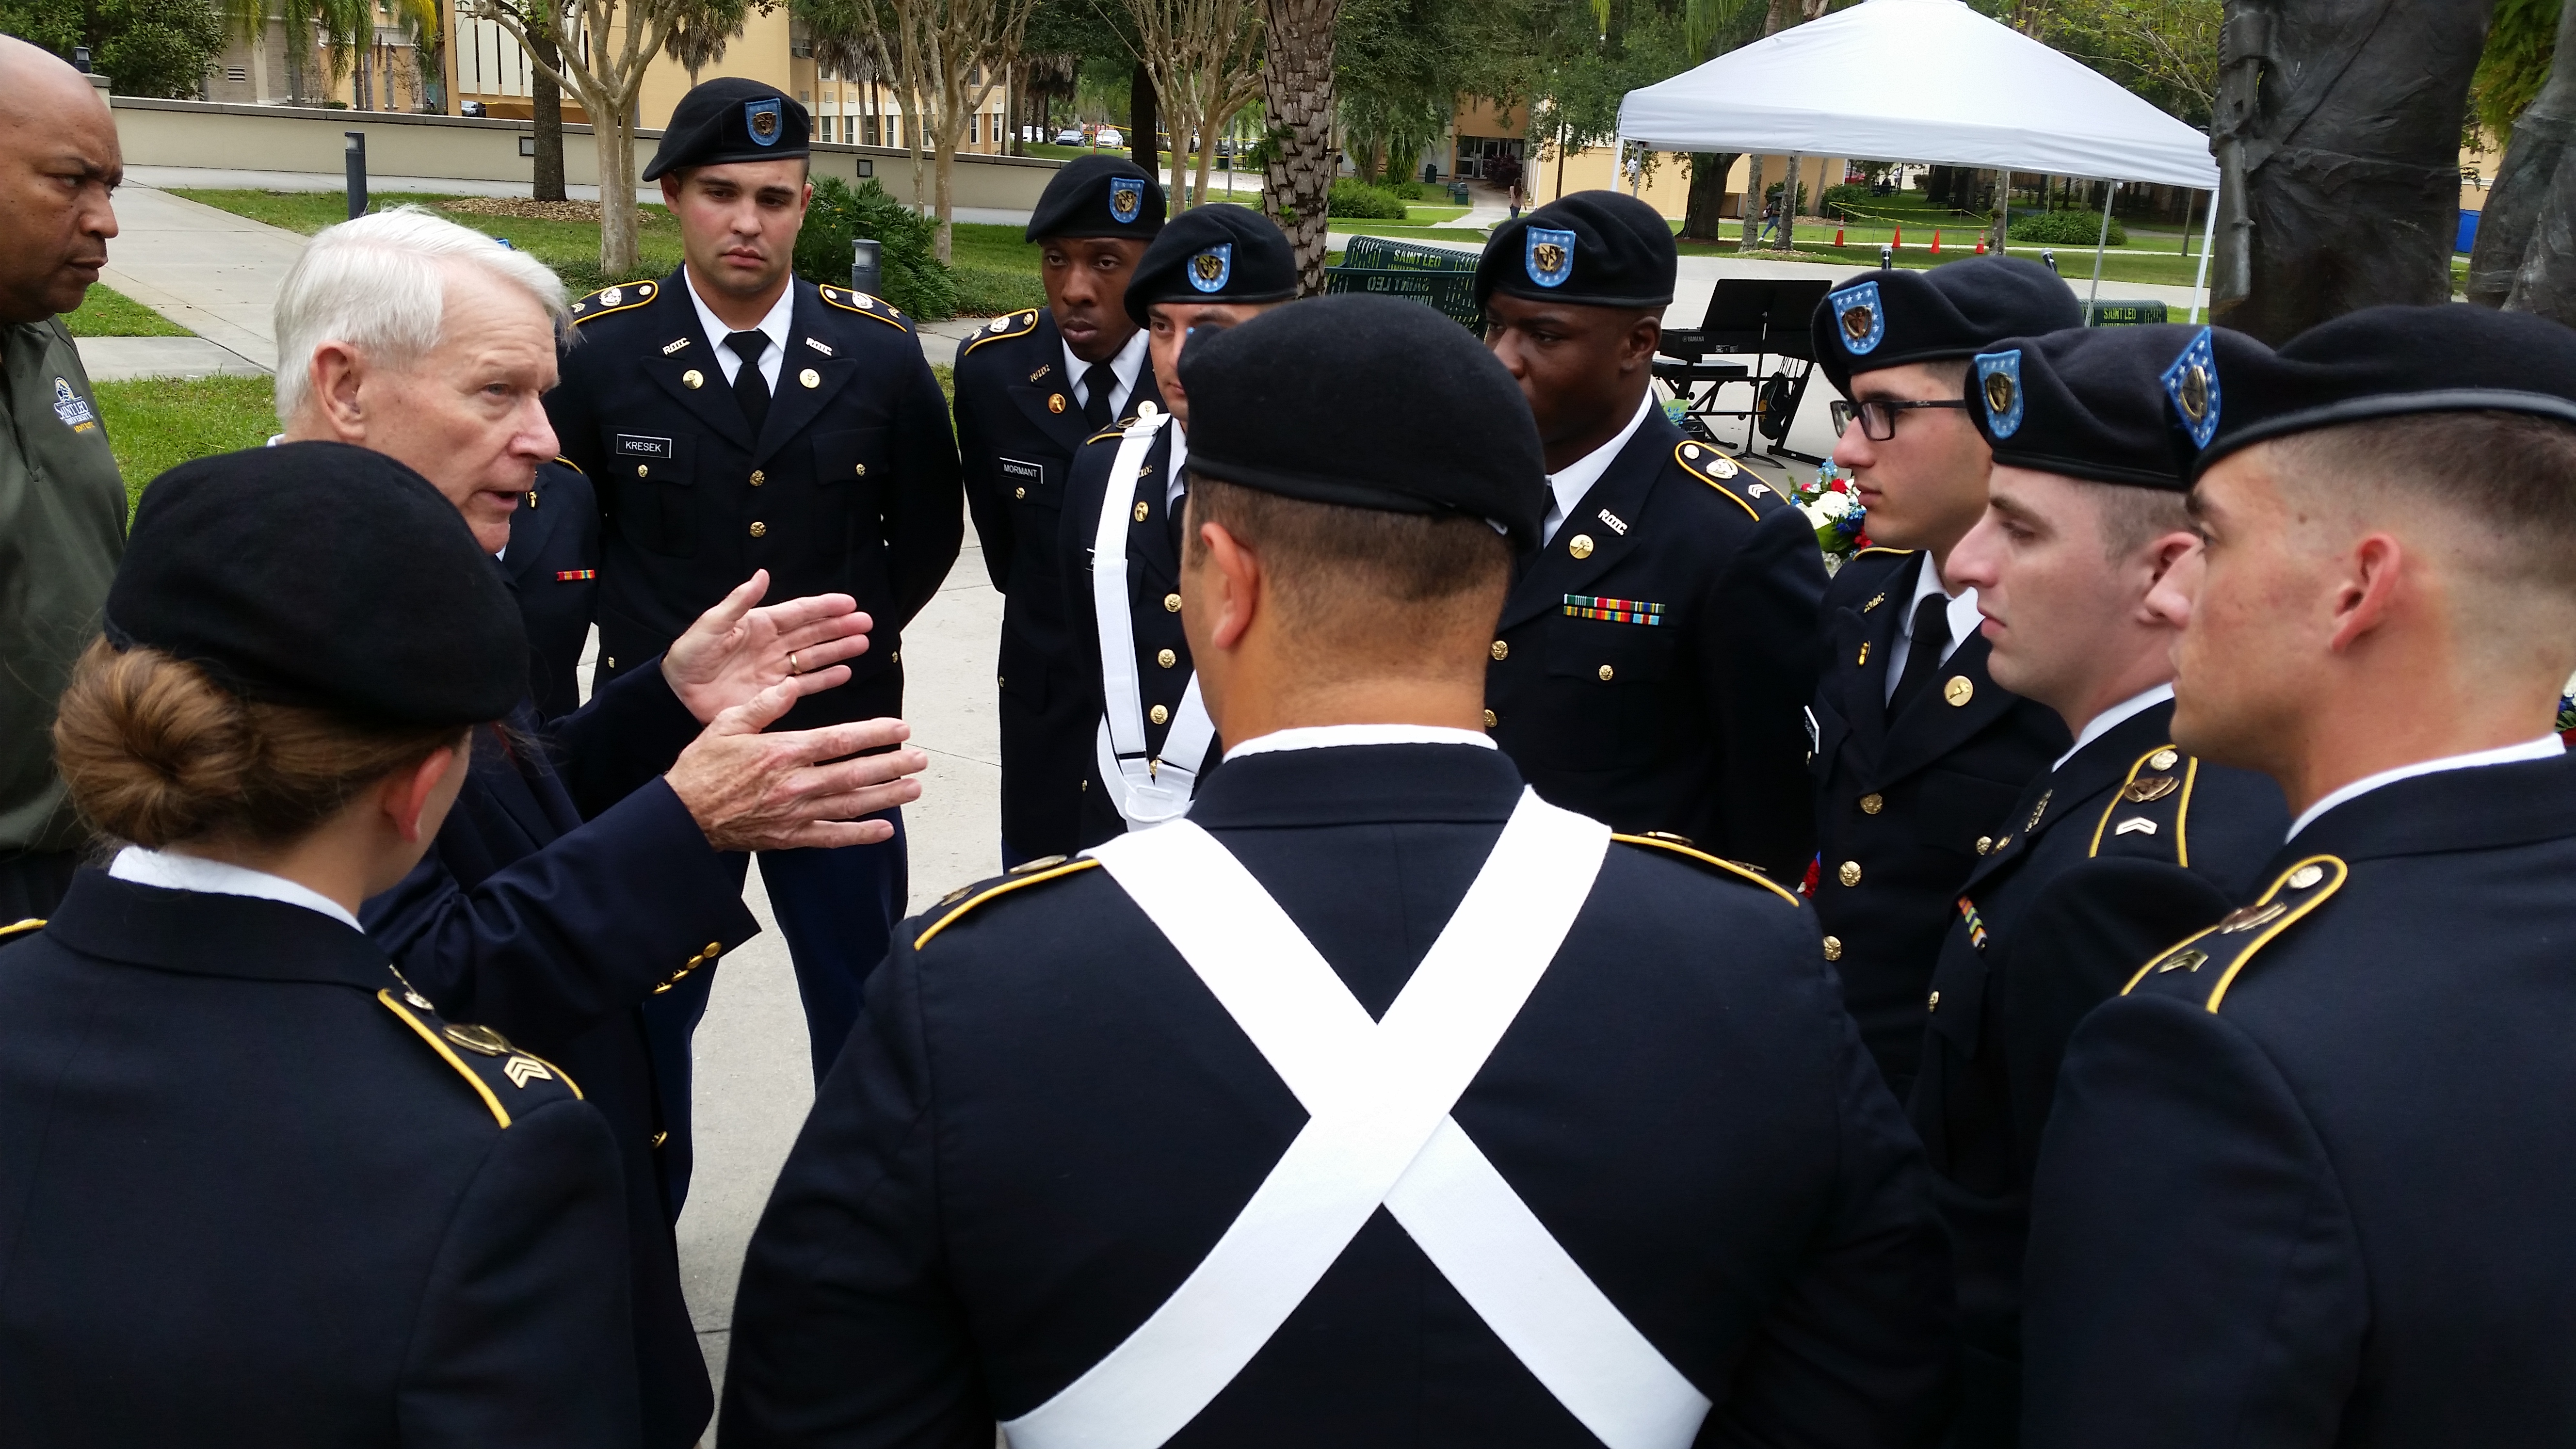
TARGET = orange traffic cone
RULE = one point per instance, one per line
(1838, 236)
(1981, 245)
(1936, 241)
(1900, 238)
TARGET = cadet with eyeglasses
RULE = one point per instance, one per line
(1918, 750)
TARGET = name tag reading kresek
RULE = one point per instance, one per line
(1378, 1096)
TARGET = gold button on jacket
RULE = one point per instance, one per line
(1849, 874)
(1158, 714)
(759, 529)
(1167, 659)
(1872, 804)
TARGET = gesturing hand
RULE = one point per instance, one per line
(734, 651)
(754, 791)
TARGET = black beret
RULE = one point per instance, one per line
(1324, 400)
(731, 119)
(1593, 249)
(1890, 318)
(2085, 403)
(1216, 253)
(2380, 362)
(1099, 196)
(322, 575)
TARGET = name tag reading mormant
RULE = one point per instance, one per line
(1024, 472)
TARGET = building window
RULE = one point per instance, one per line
(871, 130)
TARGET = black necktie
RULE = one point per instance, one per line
(1923, 656)
(749, 389)
(1099, 383)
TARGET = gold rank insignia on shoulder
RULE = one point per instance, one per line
(2149, 787)
(958, 902)
(2231, 944)
(623, 297)
(487, 1061)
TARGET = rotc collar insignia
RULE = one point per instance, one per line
(1126, 199)
(2192, 383)
(1211, 269)
(1999, 378)
(1859, 318)
(1548, 255)
(69, 406)
(762, 118)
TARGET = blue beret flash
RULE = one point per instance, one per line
(2192, 383)
(1126, 199)
(1999, 375)
(1549, 256)
(761, 118)
(1211, 269)
(1861, 318)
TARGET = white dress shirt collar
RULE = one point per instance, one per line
(2112, 718)
(1128, 365)
(173, 871)
(2547, 747)
(1325, 737)
(782, 313)
(1964, 620)
(1566, 489)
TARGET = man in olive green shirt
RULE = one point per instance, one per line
(62, 503)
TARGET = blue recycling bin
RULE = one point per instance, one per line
(2468, 232)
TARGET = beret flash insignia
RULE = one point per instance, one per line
(1126, 199)
(1210, 270)
(2192, 383)
(1999, 378)
(762, 118)
(1859, 317)
(1548, 256)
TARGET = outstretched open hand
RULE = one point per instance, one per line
(736, 650)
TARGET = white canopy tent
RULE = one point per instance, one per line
(1922, 80)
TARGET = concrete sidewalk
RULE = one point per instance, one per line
(210, 271)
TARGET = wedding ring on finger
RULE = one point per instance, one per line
(791, 663)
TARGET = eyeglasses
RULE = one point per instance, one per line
(1878, 418)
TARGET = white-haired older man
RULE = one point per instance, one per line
(593, 864)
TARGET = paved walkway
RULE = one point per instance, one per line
(210, 271)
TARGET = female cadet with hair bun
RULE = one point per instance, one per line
(259, 1191)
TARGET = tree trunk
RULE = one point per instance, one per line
(1700, 215)
(2327, 111)
(2524, 188)
(944, 177)
(1297, 86)
(1750, 209)
(2003, 212)
(1141, 121)
(612, 131)
(547, 98)
(2546, 283)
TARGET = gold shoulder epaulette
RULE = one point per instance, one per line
(1027, 873)
(866, 306)
(16, 931)
(1010, 325)
(1658, 840)
(2154, 802)
(1730, 478)
(625, 296)
(501, 1074)
(2222, 950)
(1878, 548)
(569, 463)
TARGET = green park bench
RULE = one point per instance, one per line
(1450, 293)
(1378, 253)
(2127, 314)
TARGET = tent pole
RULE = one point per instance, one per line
(2208, 235)
(2109, 190)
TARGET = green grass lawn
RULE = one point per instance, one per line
(105, 313)
(155, 424)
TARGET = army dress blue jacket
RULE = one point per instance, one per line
(851, 486)
(1018, 430)
(1655, 659)
(2103, 861)
(1906, 800)
(2308, 1182)
(254, 1196)
(567, 884)
(1047, 1120)
(1162, 651)
(552, 565)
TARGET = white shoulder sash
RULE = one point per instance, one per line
(1147, 790)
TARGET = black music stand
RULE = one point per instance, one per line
(1766, 319)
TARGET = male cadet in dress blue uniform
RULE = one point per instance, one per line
(2123, 846)
(2308, 1183)
(1149, 734)
(1030, 387)
(1377, 1102)
(552, 564)
(1659, 645)
(1918, 752)
(736, 418)
(259, 1192)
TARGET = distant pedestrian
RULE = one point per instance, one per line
(62, 503)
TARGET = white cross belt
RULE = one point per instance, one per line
(1147, 790)
(1378, 1095)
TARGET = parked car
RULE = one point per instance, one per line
(1109, 138)
(1069, 136)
